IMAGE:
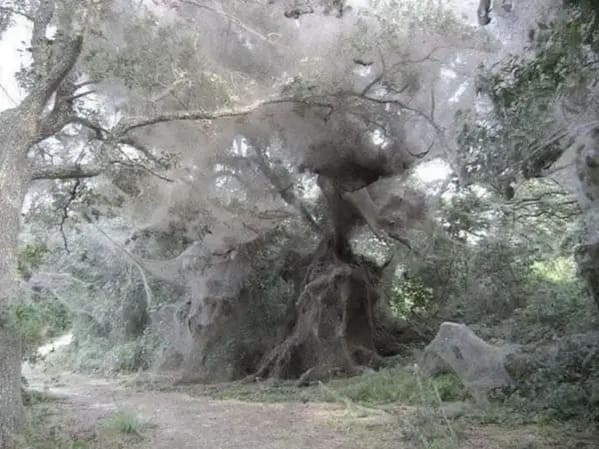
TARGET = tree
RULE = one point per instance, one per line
(21, 128)
(340, 124)
(543, 123)
(54, 87)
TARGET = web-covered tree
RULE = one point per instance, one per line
(53, 106)
(340, 123)
(544, 122)
(345, 130)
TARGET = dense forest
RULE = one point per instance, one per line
(388, 208)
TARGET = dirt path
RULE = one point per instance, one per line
(177, 420)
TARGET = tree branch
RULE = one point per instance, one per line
(234, 20)
(143, 149)
(87, 123)
(137, 166)
(131, 257)
(57, 74)
(52, 60)
(74, 97)
(285, 191)
(61, 113)
(65, 212)
(240, 111)
(7, 95)
(39, 43)
(17, 12)
(66, 172)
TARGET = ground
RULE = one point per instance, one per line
(75, 411)
(177, 420)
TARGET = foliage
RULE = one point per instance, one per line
(40, 321)
(409, 297)
(493, 269)
(485, 266)
(107, 356)
(565, 384)
(561, 299)
(467, 215)
(30, 257)
(526, 132)
(468, 283)
(271, 256)
(157, 63)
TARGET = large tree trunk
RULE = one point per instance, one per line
(334, 331)
(587, 260)
(20, 129)
(587, 254)
(10, 385)
(14, 179)
(235, 312)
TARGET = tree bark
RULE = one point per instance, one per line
(587, 260)
(10, 386)
(21, 128)
(16, 130)
(334, 331)
(587, 253)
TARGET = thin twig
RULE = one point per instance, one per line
(12, 100)
(65, 212)
(134, 260)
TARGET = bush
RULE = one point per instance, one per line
(126, 421)
(104, 356)
(30, 257)
(559, 299)
(40, 321)
(409, 297)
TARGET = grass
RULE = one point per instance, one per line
(126, 422)
(420, 422)
(397, 407)
(402, 385)
(386, 386)
(50, 425)
(390, 408)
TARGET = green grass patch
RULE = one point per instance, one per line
(51, 425)
(126, 421)
(399, 385)
(389, 385)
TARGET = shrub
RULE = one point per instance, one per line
(409, 297)
(559, 299)
(97, 354)
(126, 421)
(30, 257)
(40, 321)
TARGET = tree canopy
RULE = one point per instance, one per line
(294, 189)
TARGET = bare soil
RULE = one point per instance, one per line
(177, 420)
(187, 418)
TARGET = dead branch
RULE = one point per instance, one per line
(66, 171)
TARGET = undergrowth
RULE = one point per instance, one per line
(51, 426)
(386, 386)
(126, 422)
